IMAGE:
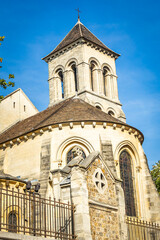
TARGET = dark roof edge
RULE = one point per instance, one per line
(82, 37)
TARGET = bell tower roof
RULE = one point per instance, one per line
(79, 31)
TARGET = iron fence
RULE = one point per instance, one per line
(142, 230)
(30, 214)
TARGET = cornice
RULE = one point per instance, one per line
(81, 41)
(38, 132)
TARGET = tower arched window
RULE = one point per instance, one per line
(60, 75)
(105, 83)
(93, 66)
(125, 162)
(75, 151)
(12, 222)
(75, 76)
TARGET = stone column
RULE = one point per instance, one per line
(121, 209)
(52, 90)
(65, 82)
(70, 83)
(83, 76)
(79, 195)
(115, 87)
(108, 86)
(59, 89)
(95, 80)
(100, 82)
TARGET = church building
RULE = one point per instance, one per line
(80, 149)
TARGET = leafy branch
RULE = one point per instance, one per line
(3, 82)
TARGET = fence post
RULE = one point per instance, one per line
(72, 212)
(0, 206)
(34, 216)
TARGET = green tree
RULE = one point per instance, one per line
(155, 173)
(3, 82)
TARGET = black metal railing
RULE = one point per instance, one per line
(142, 230)
(30, 214)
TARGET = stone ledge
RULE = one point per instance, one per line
(103, 205)
(15, 236)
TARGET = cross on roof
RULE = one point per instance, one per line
(78, 13)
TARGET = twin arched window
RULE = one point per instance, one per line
(94, 77)
(60, 75)
(125, 162)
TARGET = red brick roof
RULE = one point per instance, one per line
(77, 32)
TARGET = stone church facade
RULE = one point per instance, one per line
(80, 148)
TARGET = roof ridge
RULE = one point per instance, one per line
(80, 30)
(61, 41)
(99, 40)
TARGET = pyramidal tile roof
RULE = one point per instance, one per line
(79, 31)
(69, 110)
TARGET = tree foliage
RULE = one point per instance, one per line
(3, 82)
(155, 173)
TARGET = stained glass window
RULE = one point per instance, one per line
(12, 222)
(75, 151)
(127, 184)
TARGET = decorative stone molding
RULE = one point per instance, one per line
(130, 131)
(50, 128)
(122, 128)
(11, 143)
(82, 124)
(60, 126)
(33, 135)
(99, 180)
(138, 168)
(94, 124)
(18, 140)
(41, 131)
(26, 137)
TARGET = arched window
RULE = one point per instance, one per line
(12, 222)
(75, 151)
(60, 75)
(111, 113)
(74, 74)
(99, 107)
(93, 66)
(105, 84)
(127, 184)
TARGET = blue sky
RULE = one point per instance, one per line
(32, 29)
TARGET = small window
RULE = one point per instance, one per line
(14, 104)
(99, 180)
(24, 108)
(111, 113)
(98, 107)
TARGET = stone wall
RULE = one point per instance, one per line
(103, 224)
(103, 205)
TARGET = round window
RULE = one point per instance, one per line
(99, 180)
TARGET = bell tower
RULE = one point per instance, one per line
(82, 65)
